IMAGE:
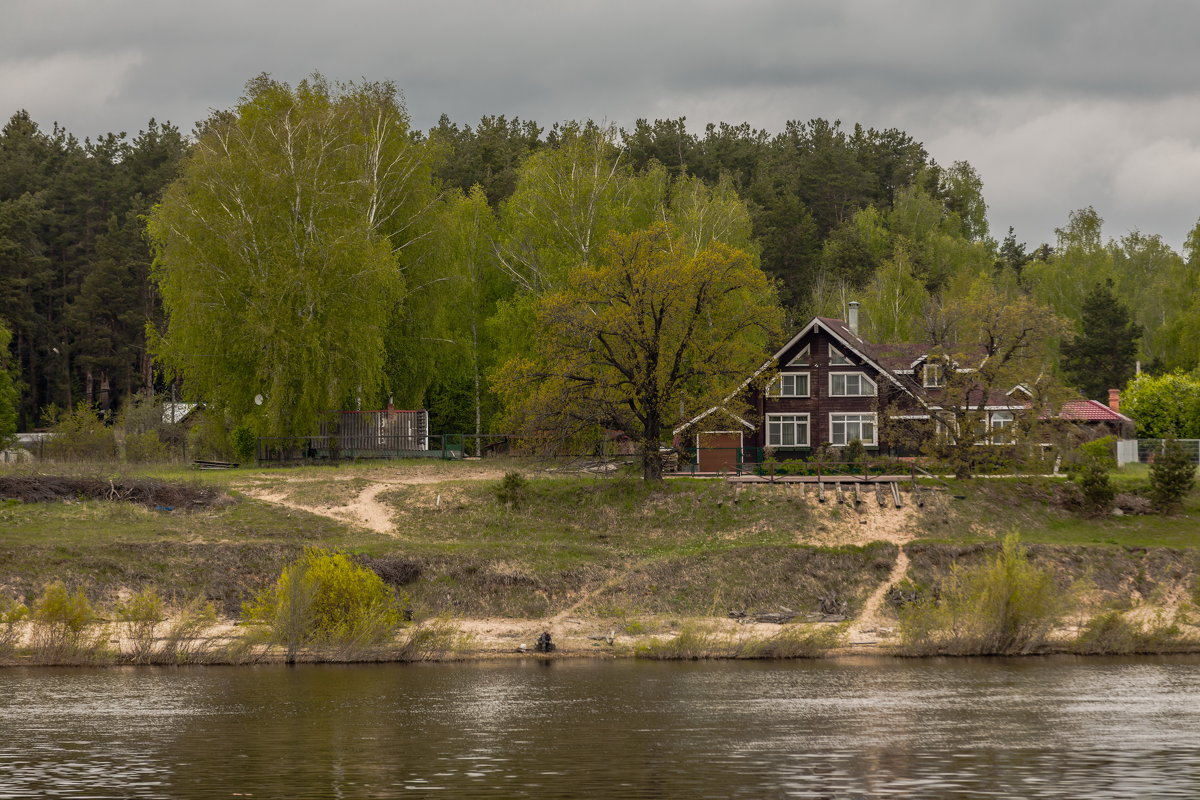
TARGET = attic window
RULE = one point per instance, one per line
(802, 358)
(837, 357)
(933, 375)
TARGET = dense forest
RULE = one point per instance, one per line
(415, 263)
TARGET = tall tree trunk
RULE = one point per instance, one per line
(651, 455)
(475, 371)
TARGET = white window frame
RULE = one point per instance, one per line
(837, 358)
(777, 387)
(803, 358)
(792, 420)
(1005, 425)
(938, 370)
(862, 376)
(860, 418)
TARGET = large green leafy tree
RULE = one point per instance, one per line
(648, 333)
(1104, 354)
(1164, 405)
(282, 251)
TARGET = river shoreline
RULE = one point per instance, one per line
(481, 640)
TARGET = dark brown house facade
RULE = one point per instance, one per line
(827, 386)
(830, 387)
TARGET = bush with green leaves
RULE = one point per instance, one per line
(1112, 633)
(512, 490)
(1172, 475)
(12, 614)
(64, 628)
(139, 617)
(1089, 465)
(245, 444)
(1006, 605)
(324, 600)
(80, 435)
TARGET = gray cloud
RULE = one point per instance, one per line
(1058, 105)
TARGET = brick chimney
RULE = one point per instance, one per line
(1114, 400)
(852, 317)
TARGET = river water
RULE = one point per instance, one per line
(847, 728)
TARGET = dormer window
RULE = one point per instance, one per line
(934, 376)
(803, 358)
(837, 357)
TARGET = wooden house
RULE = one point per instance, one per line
(830, 387)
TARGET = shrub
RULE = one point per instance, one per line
(139, 616)
(325, 600)
(1004, 606)
(513, 490)
(1097, 489)
(432, 640)
(1112, 633)
(855, 451)
(12, 614)
(80, 435)
(208, 437)
(1172, 475)
(145, 448)
(245, 444)
(690, 644)
(184, 642)
(62, 624)
(794, 641)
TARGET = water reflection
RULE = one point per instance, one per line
(951, 728)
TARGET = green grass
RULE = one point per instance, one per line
(610, 546)
(1025, 505)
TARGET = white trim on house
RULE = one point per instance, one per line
(862, 377)
(805, 354)
(938, 371)
(704, 414)
(838, 359)
(775, 387)
(874, 442)
(817, 323)
(795, 419)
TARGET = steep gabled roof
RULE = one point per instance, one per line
(839, 330)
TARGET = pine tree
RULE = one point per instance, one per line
(1102, 357)
(1172, 475)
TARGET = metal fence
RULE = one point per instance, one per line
(1147, 449)
(601, 454)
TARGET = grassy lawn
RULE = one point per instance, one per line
(1026, 505)
(605, 545)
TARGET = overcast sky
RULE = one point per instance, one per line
(1058, 105)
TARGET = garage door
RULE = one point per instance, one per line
(719, 451)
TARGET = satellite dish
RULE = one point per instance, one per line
(258, 399)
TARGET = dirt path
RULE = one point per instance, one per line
(365, 509)
(841, 525)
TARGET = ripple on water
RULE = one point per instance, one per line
(1034, 728)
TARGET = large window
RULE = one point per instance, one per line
(845, 428)
(787, 430)
(790, 384)
(850, 384)
(1001, 427)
